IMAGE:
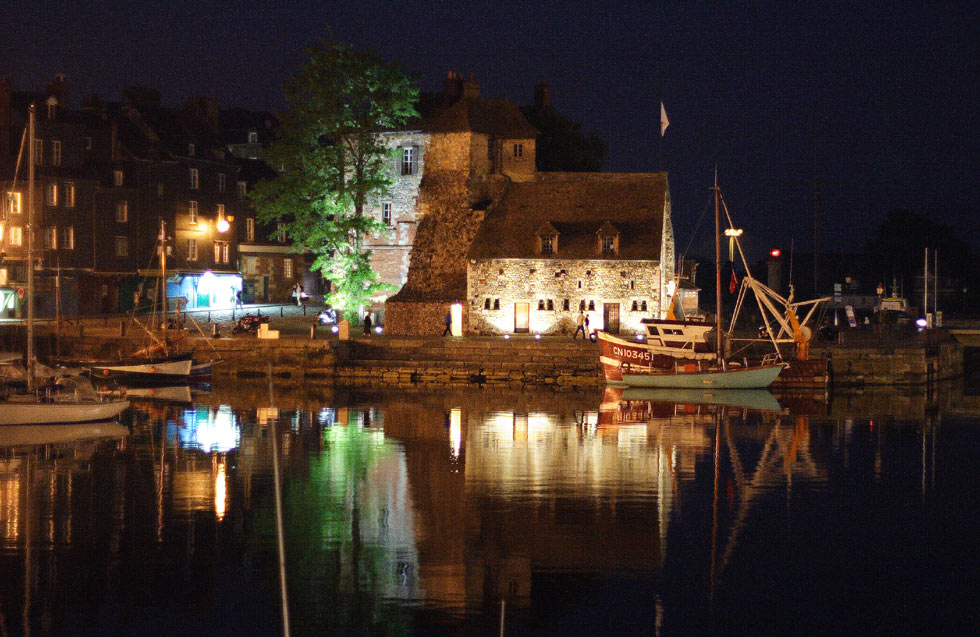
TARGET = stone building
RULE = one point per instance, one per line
(509, 245)
(565, 242)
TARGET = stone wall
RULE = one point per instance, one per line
(538, 282)
(417, 318)
(912, 365)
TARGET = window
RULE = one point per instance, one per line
(38, 152)
(242, 189)
(581, 305)
(51, 238)
(117, 178)
(643, 306)
(16, 236)
(68, 237)
(551, 304)
(192, 249)
(518, 151)
(281, 232)
(221, 211)
(592, 306)
(190, 150)
(253, 137)
(122, 211)
(486, 304)
(287, 268)
(547, 244)
(192, 211)
(221, 251)
(250, 229)
(409, 160)
(159, 189)
(88, 143)
(51, 194)
(609, 245)
(194, 178)
(496, 304)
(122, 246)
(250, 265)
(540, 304)
(635, 307)
(14, 203)
(55, 152)
(221, 182)
(69, 194)
(52, 108)
(386, 213)
(564, 305)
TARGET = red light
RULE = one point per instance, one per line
(775, 253)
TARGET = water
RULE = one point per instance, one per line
(462, 512)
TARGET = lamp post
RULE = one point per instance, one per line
(732, 233)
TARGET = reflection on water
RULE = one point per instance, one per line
(572, 513)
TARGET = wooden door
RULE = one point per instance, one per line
(522, 316)
(610, 317)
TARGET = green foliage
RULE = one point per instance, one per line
(331, 162)
(562, 146)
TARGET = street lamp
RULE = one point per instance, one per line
(732, 233)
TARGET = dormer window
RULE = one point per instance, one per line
(608, 236)
(518, 151)
(547, 239)
(52, 104)
(190, 150)
(253, 137)
(410, 160)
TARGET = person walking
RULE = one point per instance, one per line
(449, 324)
(238, 300)
(367, 324)
(590, 334)
(579, 326)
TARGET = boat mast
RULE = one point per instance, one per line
(30, 250)
(717, 267)
(162, 247)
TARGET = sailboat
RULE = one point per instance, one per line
(677, 355)
(66, 400)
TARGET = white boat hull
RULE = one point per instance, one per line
(163, 368)
(31, 412)
(744, 378)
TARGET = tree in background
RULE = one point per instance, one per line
(331, 162)
(562, 146)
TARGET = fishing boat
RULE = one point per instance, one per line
(62, 400)
(676, 354)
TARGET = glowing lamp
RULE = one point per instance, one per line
(222, 225)
(775, 253)
(639, 337)
(334, 329)
(537, 337)
(921, 322)
(378, 329)
(506, 337)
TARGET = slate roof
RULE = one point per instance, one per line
(479, 115)
(577, 205)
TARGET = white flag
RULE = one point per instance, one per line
(663, 119)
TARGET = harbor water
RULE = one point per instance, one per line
(495, 512)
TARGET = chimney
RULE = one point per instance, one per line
(452, 87)
(4, 116)
(542, 95)
(471, 88)
(59, 90)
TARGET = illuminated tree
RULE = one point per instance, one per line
(331, 161)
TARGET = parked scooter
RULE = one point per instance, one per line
(249, 323)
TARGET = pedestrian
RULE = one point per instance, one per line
(449, 324)
(296, 294)
(579, 326)
(367, 324)
(238, 300)
(592, 336)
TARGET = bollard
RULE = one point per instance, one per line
(313, 332)
(304, 309)
(280, 311)
(233, 316)
(122, 328)
(209, 316)
(214, 330)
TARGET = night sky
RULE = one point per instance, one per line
(880, 103)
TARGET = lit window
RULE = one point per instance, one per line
(192, 249)
(221, 211)
(547, 244)
(609, 245)
(287, 268)
(68, 237)
(225, 251)
(14, 203)
(16, 236)
(192, 211)
(69, 194)
(55, 153)
(518, 151)
(122, 246)
(221, 182)
(281, 232)
(250, 229)
(242, 189)
(253, 137)
(38, 152)
(122, 211)
(221, 252)
(51, 194)
(117, 178)
(194, 178)
(409, 160)
(386, 213)
(51, 238)
(52, 107)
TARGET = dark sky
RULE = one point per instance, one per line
(879, 101)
